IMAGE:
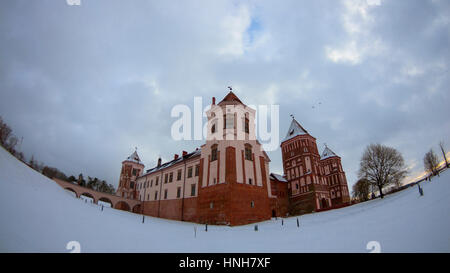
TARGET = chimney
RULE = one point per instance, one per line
(175, 156)
(159, 162)
(185, 153)
(214, 100)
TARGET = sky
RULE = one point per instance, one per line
(86, 84)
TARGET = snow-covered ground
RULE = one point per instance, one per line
(36, 215)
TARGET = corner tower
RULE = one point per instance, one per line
(132, 167)
(301, 164)
(334, 175)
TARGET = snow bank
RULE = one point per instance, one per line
(38, 216)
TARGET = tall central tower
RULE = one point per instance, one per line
(301, 164)
(234, 183)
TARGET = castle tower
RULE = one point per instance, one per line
(132, 168)
(334, 175)
(234, 183)
(301, 164)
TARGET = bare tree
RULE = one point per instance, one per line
(5, 132)
(441, 145)
(361, 190)
(382, 166)
(431, 162)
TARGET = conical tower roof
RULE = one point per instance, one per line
(294, 130)
(327, 153)
(134, 157)
(230, 98)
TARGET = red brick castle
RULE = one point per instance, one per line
(227, 180)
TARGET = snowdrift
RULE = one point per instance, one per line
(38, 216)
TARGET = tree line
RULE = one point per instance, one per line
(382, 166)
(9, 141)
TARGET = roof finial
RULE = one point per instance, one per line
(292, 116)
(230, 87)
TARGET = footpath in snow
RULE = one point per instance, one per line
(39, 216)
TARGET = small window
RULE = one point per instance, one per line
(134, 172)
(193, 190)
(211, 205)
(170, 177)
(165, 194)
(179, 175)
(166, 178)
(250, 181)
(213, 128)
(214, 181)
(156, 195)
(132, 185)
(252, 204)
(156, 182)
(189, 174)
(178, 192)
(197, 169)
(151, 183)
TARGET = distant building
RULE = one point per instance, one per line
(227, 181)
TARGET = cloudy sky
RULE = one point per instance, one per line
(84, 85)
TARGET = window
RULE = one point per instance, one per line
(166, 178)
(178, 192)
(197, 169)
(214, 181)
(248, 152)
(156, 182)
(179, 175)
(171, 177)
(132, 185)
(246, 126)
(229, 121)
(165, 194)
(211, 205)
(151, 183)
(189, 175)
(213, 128)
(250, 181)
(252, 204)
(193, 190)
(134, 172)
(296, 186)
(156, 195)
(214, 152)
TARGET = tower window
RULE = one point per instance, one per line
(211, 205)
(246, 126)
(252, 204)
(214, 152)
(213, 128)
(248, 152)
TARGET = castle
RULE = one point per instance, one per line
(227, 180)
